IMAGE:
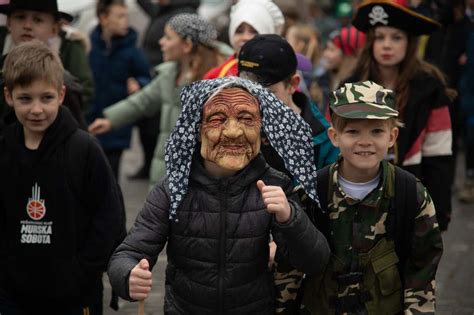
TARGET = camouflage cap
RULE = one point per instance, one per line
(363, 100)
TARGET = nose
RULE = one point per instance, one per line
(232, 129)
(248, 36)
(36, 109)
(27, 22)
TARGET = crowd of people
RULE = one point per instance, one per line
(300, 156)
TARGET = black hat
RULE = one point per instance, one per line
(50, 6)
(373, 13)
(269, 57)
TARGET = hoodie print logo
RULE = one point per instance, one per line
(36, 208)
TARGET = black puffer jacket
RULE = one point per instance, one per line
(218, 251)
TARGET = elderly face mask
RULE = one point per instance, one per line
(230, 132)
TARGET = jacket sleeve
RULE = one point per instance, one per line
(102, 201)
(140, 68)
(146, 240)
(426, 251)
(144, 103)
(303, 245)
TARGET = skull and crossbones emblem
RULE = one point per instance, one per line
(378, 15)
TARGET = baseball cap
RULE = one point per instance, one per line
(269, 57)
(363, 100)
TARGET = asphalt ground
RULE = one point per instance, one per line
(455, 277)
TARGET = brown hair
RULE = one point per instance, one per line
(409, 67)
(103, 6)
(32, 61)
(309, 35)
(203, 59)
(339, 122)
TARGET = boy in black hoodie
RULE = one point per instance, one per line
(60, 208)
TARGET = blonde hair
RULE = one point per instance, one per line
(311, 40)
(339, 122)
(32, 61)
(203, 59)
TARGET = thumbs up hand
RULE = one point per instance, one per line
(275, 199)
(139, 283)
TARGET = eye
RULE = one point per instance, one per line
(38, 19)
(351, 131)
(378, 131)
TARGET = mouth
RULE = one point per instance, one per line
(364, 153)
(26, 37)
(386, 56)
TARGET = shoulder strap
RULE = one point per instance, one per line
(76, 151)
(321, 217)
(402, 215)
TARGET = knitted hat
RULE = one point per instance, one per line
(372, 13)
(263, 15)
(192, 26)
(49, 6)
(363, 100)
(348, 39)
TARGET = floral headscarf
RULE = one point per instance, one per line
(287, 132)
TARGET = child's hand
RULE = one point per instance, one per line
(132, 86)
(139, 283)
(275, 199)
(100, 126)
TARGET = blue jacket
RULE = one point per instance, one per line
(111, 67)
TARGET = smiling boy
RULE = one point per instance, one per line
(60, 207)
(371, 271)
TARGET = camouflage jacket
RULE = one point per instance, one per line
(358, 225)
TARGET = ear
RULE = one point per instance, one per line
(393, 136)
(294, 83)
(333, 136)
(8, 96)
(187, 46)
(56, 28)
(62, 93)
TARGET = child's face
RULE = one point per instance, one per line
(243, 34)
(115, 21)
(363, 144)
(333, 56)
(173, 46)
(25, 25)
(230, 132)
(36, 106)
(390, 46)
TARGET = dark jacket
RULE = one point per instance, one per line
(111, 67)
(56, 235)
(159, 16)
(218, 250)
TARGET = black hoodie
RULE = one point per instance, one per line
(56, 232)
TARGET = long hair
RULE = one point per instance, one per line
(410, 66)
(203, 58)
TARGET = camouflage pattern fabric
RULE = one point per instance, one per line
(357, 226)
(363, 100)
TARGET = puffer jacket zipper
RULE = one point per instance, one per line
(222, 245)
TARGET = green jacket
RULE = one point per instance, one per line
(161, 94)
(74, 58)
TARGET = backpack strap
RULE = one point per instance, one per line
(401, 215)
(321, 217)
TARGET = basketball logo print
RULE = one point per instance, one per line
(36, 208)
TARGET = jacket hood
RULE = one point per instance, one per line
(59, 131)
(117, 41)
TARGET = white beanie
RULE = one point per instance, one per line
(263, 15)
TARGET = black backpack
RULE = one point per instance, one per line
(401, 214)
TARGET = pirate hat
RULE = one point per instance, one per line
(373, 13)
(49, 6)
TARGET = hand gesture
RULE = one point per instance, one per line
(100, 126)
(275, 199)
(139, 283)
